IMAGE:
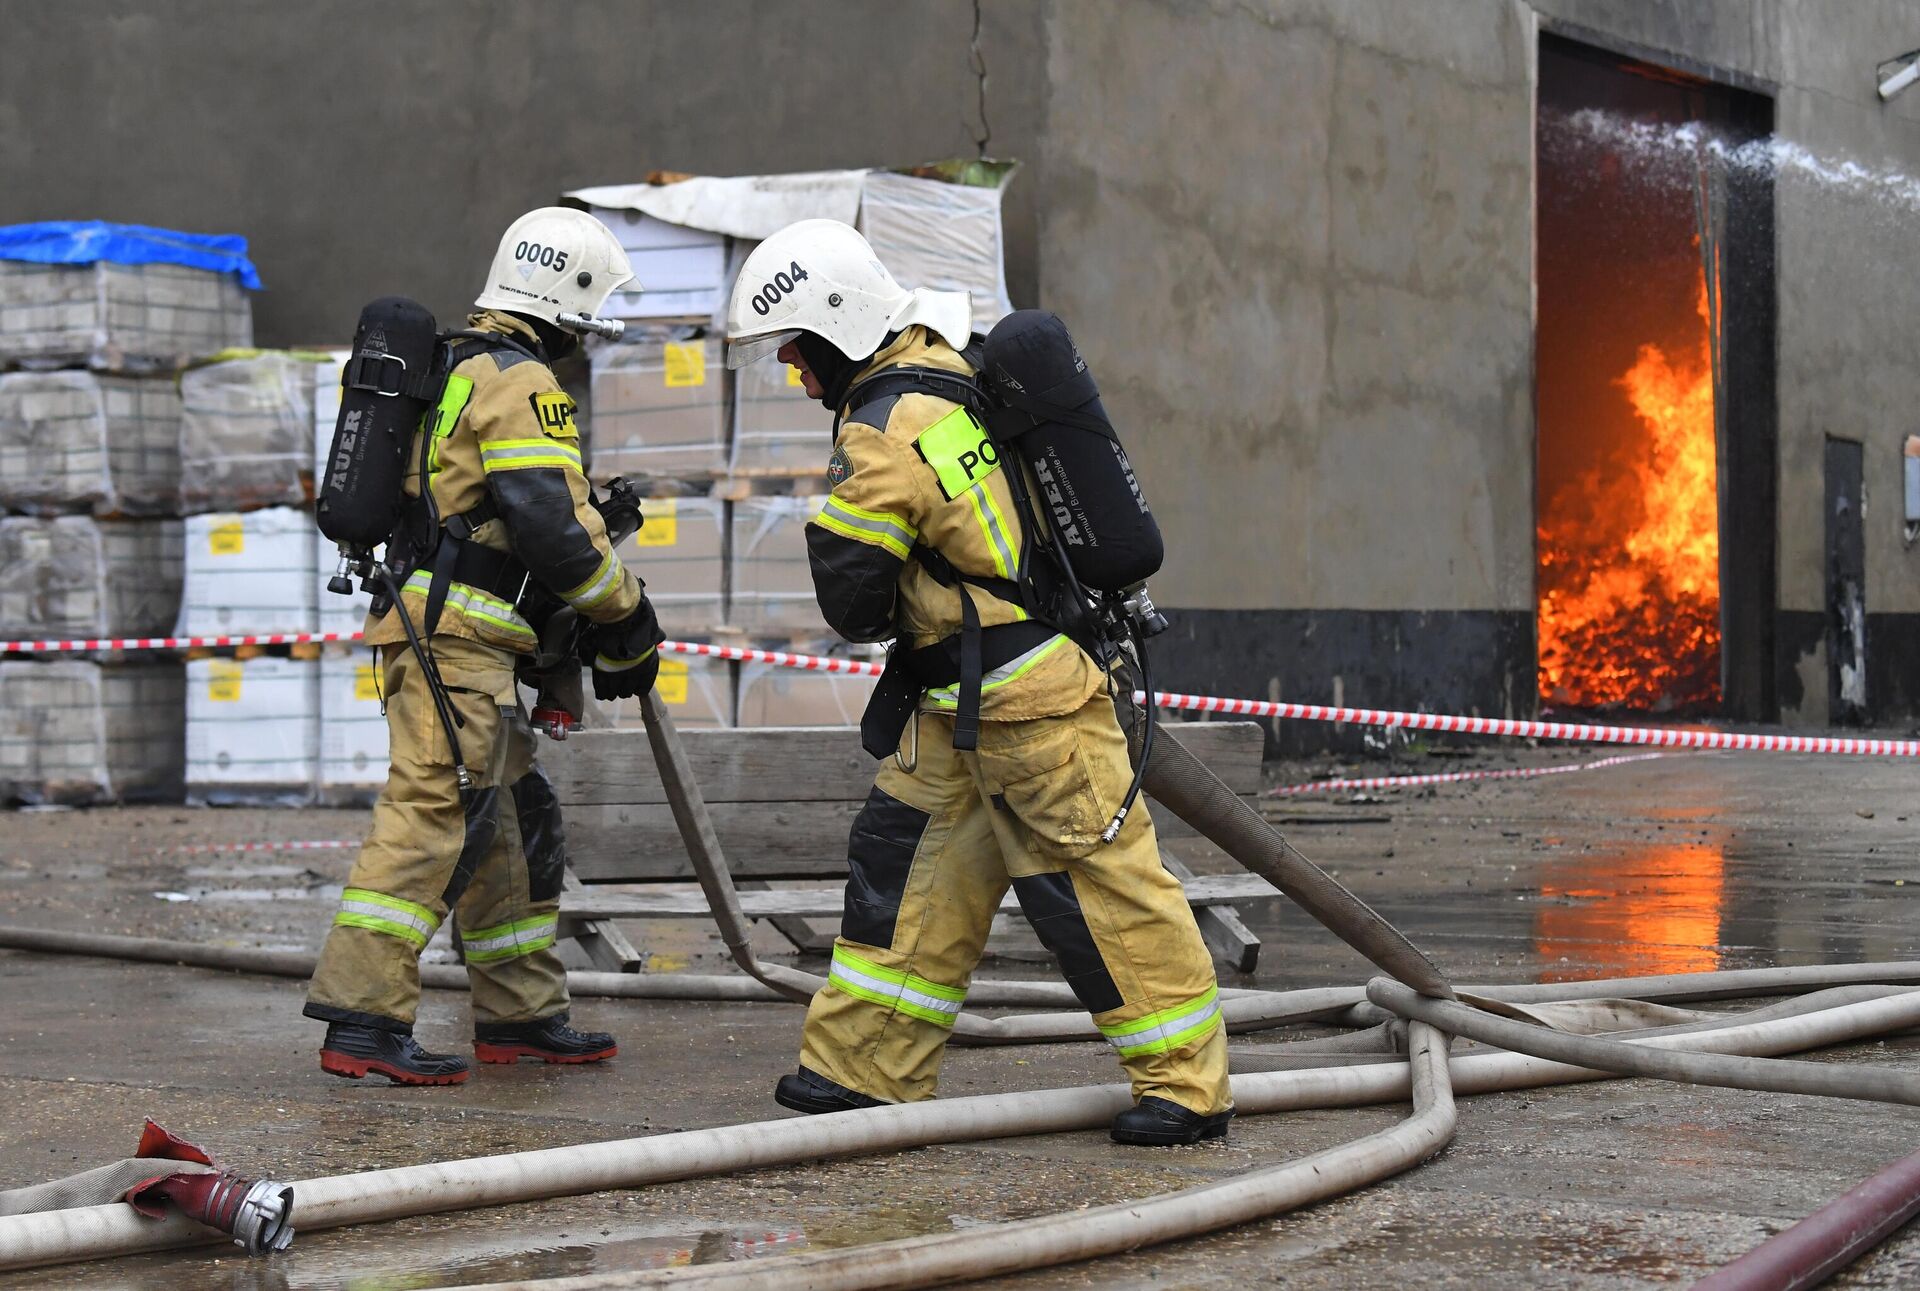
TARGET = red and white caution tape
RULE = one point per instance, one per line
(1573, 732)
(78, 645)
(1452, 777)
(285, 845)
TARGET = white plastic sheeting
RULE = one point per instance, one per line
(246, 432)
(118, 317)
(75, 576)
(87, 441)
(252, 730)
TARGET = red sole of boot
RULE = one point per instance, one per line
(512, 1053)
(339, 1064)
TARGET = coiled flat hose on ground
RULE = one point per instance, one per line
(97, 1232)
(1182, 784)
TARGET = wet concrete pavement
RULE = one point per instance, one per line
(1686, 863)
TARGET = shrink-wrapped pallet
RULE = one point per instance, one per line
(697, 691)
(774, 696)
(772, 582)
(777, 426)
(943, 236)
(143, 706)
(658, 405)
(246, 431)
(75, 576)
(678, 554)
(353, 731)
(249, 573)
(87, 441)
(52, 733)
(253, 730)
(118, 317)
(684, 269)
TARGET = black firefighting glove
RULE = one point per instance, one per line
(625, 655)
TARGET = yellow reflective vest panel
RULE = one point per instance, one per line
(919, 469)
(504, 429)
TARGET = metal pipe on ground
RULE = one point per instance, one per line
(995, 1250)
(1829, 1239)
(98, 1232)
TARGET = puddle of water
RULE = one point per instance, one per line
(1642, 910)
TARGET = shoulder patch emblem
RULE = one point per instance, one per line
(554, 411)
(839, 467)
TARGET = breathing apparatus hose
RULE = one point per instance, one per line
(1149, 723)
(449, 720)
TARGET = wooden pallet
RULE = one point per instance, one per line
(782, 802)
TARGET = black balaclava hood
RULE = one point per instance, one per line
(832, 369)
(556, 342)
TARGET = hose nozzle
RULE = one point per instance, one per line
(609, 328)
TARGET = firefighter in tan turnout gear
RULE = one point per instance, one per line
(503, 468)
(918, 495)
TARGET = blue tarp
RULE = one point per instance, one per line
(85, 241)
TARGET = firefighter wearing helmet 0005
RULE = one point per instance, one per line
(501, 454)
(918, 488)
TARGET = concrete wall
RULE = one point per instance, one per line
(1309, 255)
(374, 148)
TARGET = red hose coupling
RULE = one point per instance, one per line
(257, 1213)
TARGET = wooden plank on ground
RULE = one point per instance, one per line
(1230, 939)
(805, 765)
(826, 902)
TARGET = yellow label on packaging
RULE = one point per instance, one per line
(672, 683)
(366, 683)
(228, 538)
(662, 527)
(686, 365)
(223, 681)
(793, 379)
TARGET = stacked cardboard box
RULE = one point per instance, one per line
(659, 407)
(253, 730)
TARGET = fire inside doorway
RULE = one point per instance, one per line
(1635, 190)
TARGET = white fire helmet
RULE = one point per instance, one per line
(820, 276)
(556, 261)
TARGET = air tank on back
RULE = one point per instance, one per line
(1054, 419)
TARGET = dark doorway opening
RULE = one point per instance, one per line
(1657, 437)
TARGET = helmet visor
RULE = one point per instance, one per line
(751, 349)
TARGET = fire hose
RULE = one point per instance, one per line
(30, 1241)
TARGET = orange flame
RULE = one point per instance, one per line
(1629, 579)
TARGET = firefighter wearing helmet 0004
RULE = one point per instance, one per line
(945, 830)
(502, 457)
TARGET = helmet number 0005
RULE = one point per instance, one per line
(768, 296)
(534, 253)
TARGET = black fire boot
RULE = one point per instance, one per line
(1158, 1122)
(354, 1051)
(812, 1093)
(548, 1039)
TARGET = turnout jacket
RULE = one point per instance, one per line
(504, 430)
(916, 469)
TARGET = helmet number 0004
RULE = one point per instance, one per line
(768, 296)
(534, 253)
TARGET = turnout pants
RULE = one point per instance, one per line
(931, 855)
(498, 863)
